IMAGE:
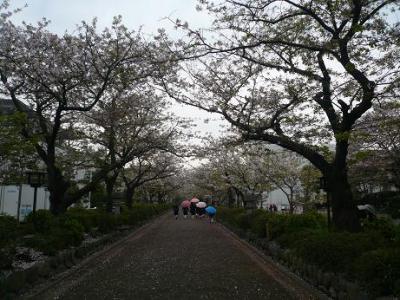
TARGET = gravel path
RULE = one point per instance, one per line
(178, 259)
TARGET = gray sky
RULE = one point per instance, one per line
(64, 14)
(150, 14)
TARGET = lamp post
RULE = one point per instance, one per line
(35, 180)
(323, 185)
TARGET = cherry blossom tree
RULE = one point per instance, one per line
(152, 167)
(62, 77)
(16, 153)
(283, 170)
(299, 74)
(231, 172)
(375, 152)
(127, 125)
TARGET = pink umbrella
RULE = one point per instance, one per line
(194, 200)
(201, 204)
(185, 203)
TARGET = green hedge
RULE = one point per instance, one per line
(49, 234)
(8, 233)
(42, 221)
(371, 256)
(379, 270)
(259, 220)
(335, 251)
(8, 229)
(52, 234)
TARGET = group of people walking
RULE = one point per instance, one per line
(195, 208)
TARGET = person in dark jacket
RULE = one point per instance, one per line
(192, 209)
(185, 211)
(175, 208)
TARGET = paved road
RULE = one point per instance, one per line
(178, 259)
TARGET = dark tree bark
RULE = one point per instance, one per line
(129, 193)
(231, 197)
(110, 184)
(58, 188)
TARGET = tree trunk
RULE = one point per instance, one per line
(57, 203)
(130, 191)
(344, 209)
(291, 202)
(250, 202)
(57, 187)
(239, 198)
(231, 197)
(110, 183)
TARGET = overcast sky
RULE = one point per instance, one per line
(64, 14)
(150, 14)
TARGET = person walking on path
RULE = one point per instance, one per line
(175, 208)
(185, 208)
(192, 209)
(201, 209)
(211, 212)
(185, 211)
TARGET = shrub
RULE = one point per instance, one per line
(379, 270)
(54, 233)
(276, 225)
(6, 256)
(141, 212)
(292, 239)
(334, 251)
(396, 239)
(258, 223)
(230, 215)
(67, 233)
(72, 232)
(243, 221)
(130, 217)
(42, 220)
(285, 224)
(384, 227)
(8, 229)
(48, 244)
(87, 218)
(106, 222)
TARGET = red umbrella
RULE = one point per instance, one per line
(185, 203)
(195, 200)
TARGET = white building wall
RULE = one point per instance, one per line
(83, 174)
(278, 198)
(11, 194)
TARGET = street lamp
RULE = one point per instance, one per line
(35, 180)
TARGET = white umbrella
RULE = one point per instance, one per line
(201, 205)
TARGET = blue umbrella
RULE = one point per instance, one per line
(211, 210)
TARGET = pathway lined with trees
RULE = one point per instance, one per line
(183, 259)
